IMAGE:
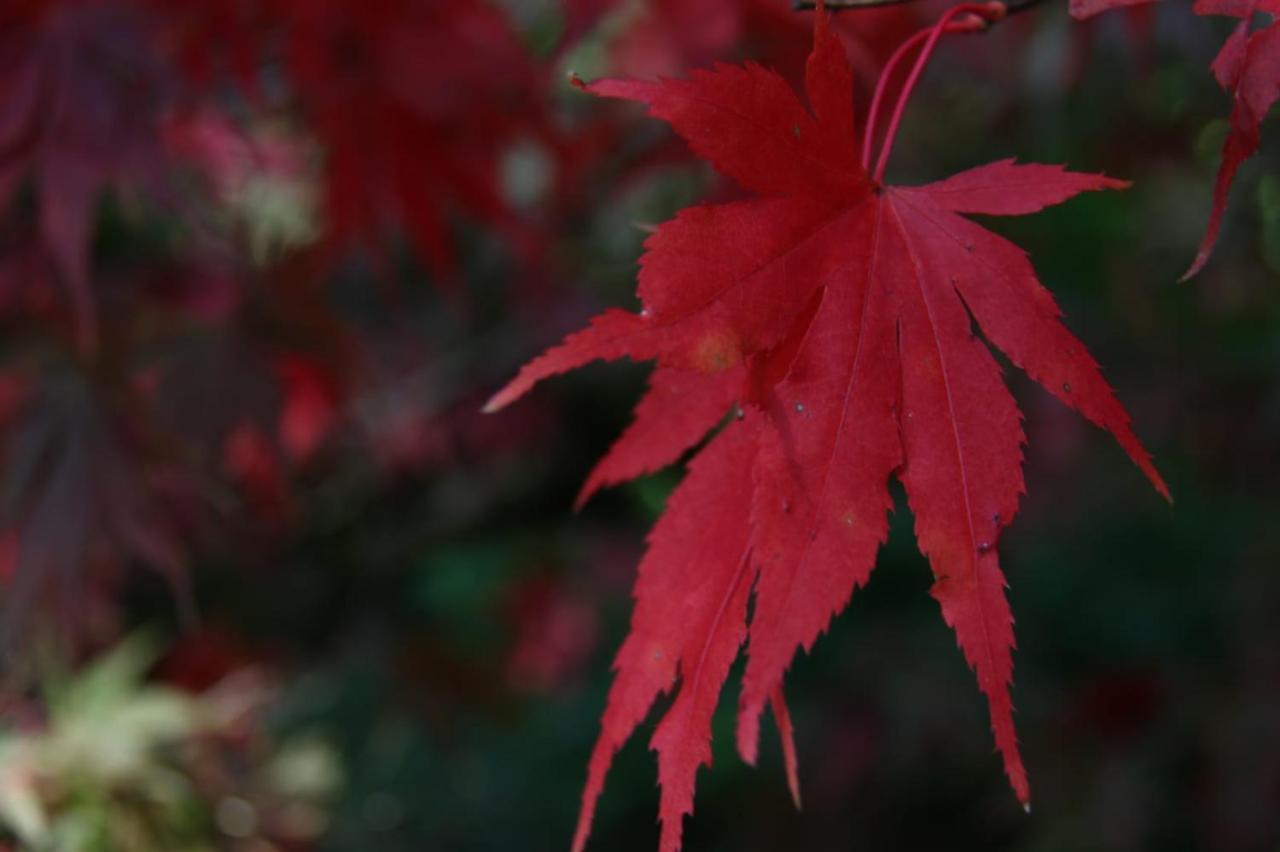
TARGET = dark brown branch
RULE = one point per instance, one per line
(1012, 6)
(845, 5)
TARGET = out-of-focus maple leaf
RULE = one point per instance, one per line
(309, 409)
(414, 102)
(250, 413)
(839, 313)
(253, 459)
(30, 288)
(208, 386)
(554, 634)
(202, 658)
(1248, 68)
(580, 16)
(1083, 9)
(670, 36)
(81, 99)
(209, 36)
(76, 495)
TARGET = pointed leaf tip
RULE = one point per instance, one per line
(677, 412)
(1202, 257)
(786, 735)
(504, 396)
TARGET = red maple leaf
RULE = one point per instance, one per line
(668, 36)
(81, 100)
(81, 504)
(838, 313)
(1247, 67)
(414, 102)
(580, 17)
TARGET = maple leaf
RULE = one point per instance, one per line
(1082, 9)
(580, 17)
(81, 97)
(206, 36)
(77, 498)
(835, 316)
(668, 36)
(1248, 68)
(414, 102)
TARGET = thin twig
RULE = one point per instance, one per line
(1014, 6)
(981, 16)
(845, 5)
(886, 74)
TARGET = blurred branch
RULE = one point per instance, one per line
(1011, 8)
(845, 5)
